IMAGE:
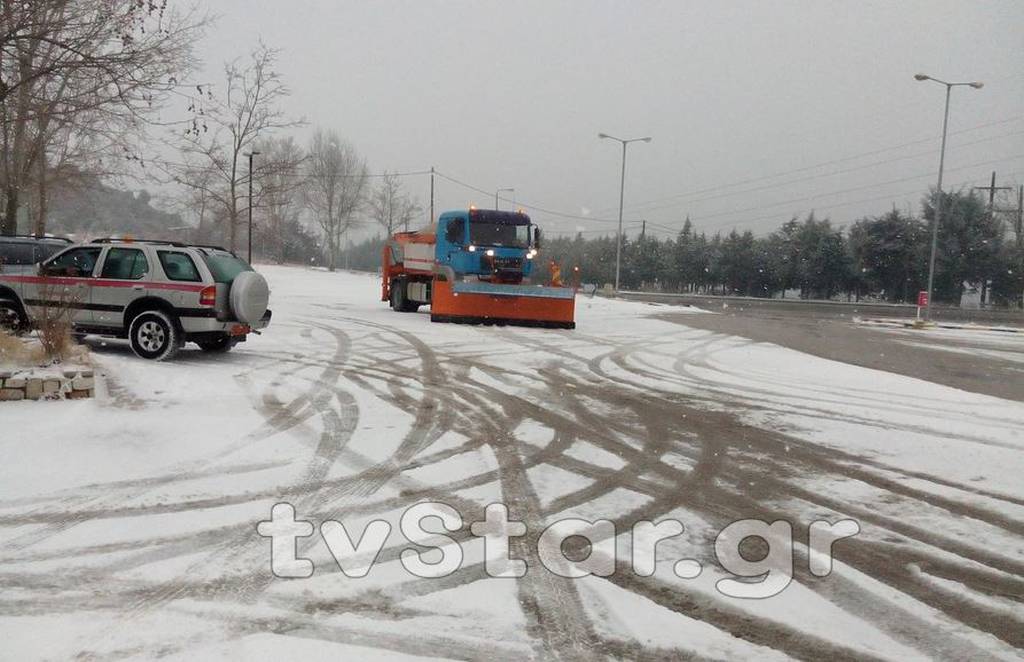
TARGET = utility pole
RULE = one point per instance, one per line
(1020, 216)
(431, 219)
(1017, 219)
(512, 190)
(643, 229)
(992, 188)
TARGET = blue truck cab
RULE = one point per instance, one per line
(492, 245)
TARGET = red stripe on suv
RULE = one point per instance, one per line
(103, 282)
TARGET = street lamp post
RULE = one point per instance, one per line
(622, 193)
(501, 190)
(250, 155)
(938, 187)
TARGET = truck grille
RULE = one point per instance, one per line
(508, 263)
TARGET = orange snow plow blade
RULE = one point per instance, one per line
(475, 302)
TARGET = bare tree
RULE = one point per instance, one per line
(215, 158)
(78, 77)
(336, 183)
(201, 204)
(278, 199)
(390, 205)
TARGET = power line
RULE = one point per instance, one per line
(698, 219)
(815, 166)
(671, 232)
(873, 164)
(853, 189)
(596, 219)
(611, 232)
(780, 215)
(292, 171)
(593, 219)
(740, 211)
(524, 205)
(887, 196)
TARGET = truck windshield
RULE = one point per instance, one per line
(484, 233)
(225, 266)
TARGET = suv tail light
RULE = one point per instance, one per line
(208, 296)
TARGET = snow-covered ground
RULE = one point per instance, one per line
(129, 522)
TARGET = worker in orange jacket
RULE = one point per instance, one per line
(556, 274)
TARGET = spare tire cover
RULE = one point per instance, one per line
(249, 297)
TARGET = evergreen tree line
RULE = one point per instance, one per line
(881, 258)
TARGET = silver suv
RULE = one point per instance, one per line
(159, 295)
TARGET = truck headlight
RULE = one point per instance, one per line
(490, 252)
(472, 248)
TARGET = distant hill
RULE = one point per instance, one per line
(94, 209)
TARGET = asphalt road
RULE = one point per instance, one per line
(829, 309)
(981, 362)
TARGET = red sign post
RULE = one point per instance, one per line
(922, 301)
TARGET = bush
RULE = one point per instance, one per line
(16, 351)
(53, 322)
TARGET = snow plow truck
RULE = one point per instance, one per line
(473, 267)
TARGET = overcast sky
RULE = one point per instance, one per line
(745, 101)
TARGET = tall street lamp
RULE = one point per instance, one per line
(250, 155)
(938, 187)
(622, 190)
(501, 190)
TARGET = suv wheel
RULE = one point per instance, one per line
(154, 336)
(220, 345)
(12, 320)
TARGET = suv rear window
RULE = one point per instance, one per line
(17, 253)
(179, 266)
(27, 252)
(225, 266)
(45, 249)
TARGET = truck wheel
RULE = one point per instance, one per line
(12, 319)
(154, 336)
(398, 295)
(400, 302)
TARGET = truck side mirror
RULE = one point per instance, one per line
(536, 237)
